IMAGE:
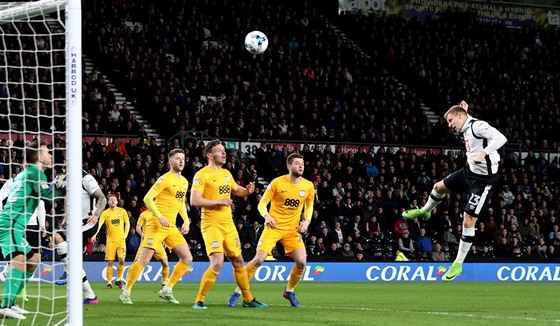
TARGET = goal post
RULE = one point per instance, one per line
(74, 158)
(41, 98)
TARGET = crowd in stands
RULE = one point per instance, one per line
(183, 66)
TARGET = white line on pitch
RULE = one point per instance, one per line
(442, 313)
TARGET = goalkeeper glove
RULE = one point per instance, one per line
(60, 181)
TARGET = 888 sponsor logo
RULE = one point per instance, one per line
(293, 203)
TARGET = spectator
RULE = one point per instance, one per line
(373, 228)
(551, 252)
(400, 226)
(255, 233)
(525, 229)
(554, 236)
(132, 241)
(540, 251)
(529, 252)
(486, 252)
(406, 245)
(400, 256)
(449, 238)
(424, 242)
(503, 248)
(337, 234)
(438, 254)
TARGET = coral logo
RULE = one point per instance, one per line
(441, 270)
(46, 270)
(319, 269)
(189, 270)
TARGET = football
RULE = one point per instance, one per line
(256, 42)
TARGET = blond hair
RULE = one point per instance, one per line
(455, 109)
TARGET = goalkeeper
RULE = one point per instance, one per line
(35, 227)
(30, 186)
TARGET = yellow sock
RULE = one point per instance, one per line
(251, 270)
(133, 273)
(206, 283)
(165, 274)
(120, 270)
(109, 274)
(23, 294)
(240, 276)
(178, 272)
(295, 277)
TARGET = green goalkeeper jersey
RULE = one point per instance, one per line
(30, 186)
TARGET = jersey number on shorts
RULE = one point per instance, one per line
(473, 201)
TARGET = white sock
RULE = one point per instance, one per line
(464, 247)
(166, 288)
(86, 288)
(62, 249)
(237, 290)
(431, 203)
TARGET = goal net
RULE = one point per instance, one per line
(40, 99)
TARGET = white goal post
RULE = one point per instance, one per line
(68, 14)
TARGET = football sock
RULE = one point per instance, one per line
(62, 249)
(28, 275)
(133, 273)
(23, 292)
(12, 285)
(433, 200)
(110, 274)
(178, 272)
(165, 274)
(295, 277)
(120, 271)
(465, 244)
(86, 287)
(206, 283)
(251, 270)
(240, 276)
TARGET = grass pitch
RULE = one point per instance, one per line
(454, 303)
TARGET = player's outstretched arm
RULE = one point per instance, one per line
(101, 202)
(240, 191)
(464, 105)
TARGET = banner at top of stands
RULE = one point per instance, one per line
(526, 14)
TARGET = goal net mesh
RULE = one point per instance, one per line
(33, 107)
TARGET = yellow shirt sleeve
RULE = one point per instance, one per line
(100, 223)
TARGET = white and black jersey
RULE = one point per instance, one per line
(5, 191)
(480, 136)
(479, 179)
(89, 187)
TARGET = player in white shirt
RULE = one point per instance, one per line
(93, 204)
(480, 178)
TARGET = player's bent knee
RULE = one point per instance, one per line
(440, 187)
